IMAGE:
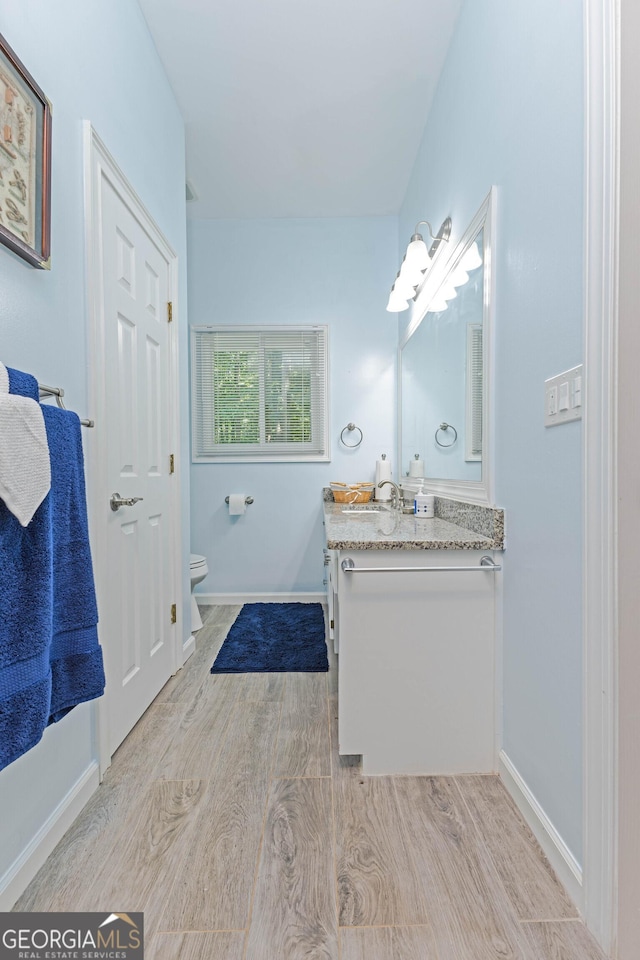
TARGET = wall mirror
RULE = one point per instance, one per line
(444, 377)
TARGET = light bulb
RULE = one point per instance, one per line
(438, 305)
(471, 258)
(417, 255)
(410, 275)
(459, 277)
(397, 302)
(405, 285)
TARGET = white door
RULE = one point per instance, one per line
(137, 582)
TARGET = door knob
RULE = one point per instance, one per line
(117, 501)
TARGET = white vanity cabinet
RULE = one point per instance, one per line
(417, 660)
(331, 582)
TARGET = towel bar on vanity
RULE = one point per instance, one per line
(58, 393)
(486, 563)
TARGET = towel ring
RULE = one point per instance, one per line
(446, 426)
(350, 427)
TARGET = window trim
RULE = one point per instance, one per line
(270, 455)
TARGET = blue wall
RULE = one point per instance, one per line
(509, 112)
(329, 271)
(94, 61)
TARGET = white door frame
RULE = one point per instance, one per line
(600, 603)
(96, 156)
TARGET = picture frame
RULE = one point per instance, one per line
(25, 162)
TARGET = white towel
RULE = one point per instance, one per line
(25, 470)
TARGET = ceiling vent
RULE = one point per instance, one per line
(191, 193)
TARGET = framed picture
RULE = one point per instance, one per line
(25, 162)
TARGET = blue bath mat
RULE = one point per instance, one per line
(274, 638)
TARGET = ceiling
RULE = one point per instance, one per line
(301, 108)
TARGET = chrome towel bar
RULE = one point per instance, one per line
(58, 393)
(486, 563)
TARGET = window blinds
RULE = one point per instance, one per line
(473, 432)
(259, 393)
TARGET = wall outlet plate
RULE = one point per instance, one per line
(563, 397)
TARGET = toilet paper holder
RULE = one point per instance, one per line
(247, 500)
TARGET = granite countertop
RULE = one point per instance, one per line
(456, 526)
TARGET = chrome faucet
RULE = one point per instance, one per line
(396, 499)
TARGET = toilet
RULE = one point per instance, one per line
(198, 569)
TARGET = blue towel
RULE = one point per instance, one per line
(77, 672)
(50, 659)
(23, 384)
(26, 609)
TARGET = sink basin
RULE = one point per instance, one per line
(362, 508)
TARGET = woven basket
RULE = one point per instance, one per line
(352, 492)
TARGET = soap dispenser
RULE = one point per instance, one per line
(423, 503)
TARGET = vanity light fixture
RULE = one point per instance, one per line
(469, 261)
(415, 264)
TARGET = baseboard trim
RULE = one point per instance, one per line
(22, 871)
(235, 598)
(557, 852)
(188, 647)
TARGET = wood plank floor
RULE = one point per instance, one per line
(229, 818)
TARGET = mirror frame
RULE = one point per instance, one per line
(472, 491)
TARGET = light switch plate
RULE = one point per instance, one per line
(563, 397)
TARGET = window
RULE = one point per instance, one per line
(259, 393)
(473, 432)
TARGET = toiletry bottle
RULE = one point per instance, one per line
(423, 504)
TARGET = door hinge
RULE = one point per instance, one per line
(172, 463)
(174, 613)
(332, 624)
(169, 311)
